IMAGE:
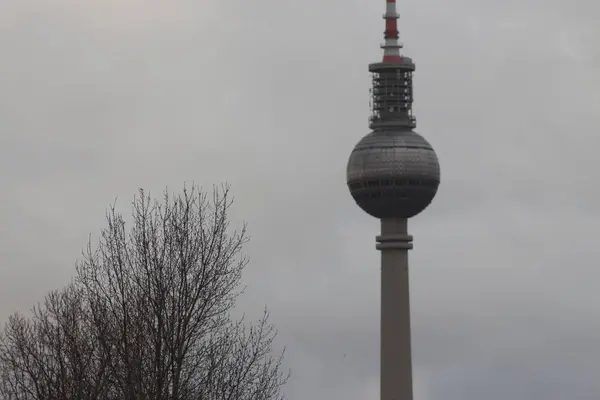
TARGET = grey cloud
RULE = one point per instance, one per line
(271, 96)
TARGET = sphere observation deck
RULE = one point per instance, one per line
(393, 173)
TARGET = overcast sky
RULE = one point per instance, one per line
(99, 98)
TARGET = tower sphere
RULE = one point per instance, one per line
(393, 173)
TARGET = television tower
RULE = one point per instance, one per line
(393, 174)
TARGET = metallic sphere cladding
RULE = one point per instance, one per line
(393, 173)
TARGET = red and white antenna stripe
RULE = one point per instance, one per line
(391, 47)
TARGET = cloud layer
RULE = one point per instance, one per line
(99, 99)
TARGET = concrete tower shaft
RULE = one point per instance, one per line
(396, 360)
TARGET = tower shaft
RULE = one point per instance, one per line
(396, 369)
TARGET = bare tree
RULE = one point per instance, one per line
(53, 355)
(148, 315)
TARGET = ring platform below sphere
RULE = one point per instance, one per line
(393, 174)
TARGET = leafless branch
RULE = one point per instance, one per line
(148, 315)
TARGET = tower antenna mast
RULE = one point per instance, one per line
(391, 47)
